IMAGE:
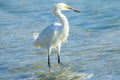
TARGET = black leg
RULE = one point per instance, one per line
(49, 60)
(49, 51)
(58, 58)
(58, 50)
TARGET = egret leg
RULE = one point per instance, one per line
(49, 51)
(58, 58)
(58, 50)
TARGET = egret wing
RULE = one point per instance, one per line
(48, 36)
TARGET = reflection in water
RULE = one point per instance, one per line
(61, 73)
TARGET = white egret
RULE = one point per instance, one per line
(56, 33)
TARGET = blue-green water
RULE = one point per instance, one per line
(91, 53)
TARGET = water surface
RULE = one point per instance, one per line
(91, 53)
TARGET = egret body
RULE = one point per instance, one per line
(53, 35)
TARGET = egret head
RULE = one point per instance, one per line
(63, 6)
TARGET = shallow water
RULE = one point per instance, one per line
(91, 53)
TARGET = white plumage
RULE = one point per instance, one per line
(53, 35)
(35, 35)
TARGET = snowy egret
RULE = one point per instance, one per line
(56, 33)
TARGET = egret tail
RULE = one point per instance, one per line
(35, 35)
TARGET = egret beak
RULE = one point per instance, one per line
(69, 8)
(74, 10)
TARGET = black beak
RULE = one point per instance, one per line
(74, 10)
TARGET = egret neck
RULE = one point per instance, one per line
(63, 20)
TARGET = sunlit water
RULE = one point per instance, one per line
(91, 53)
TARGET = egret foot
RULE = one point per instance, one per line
(49, 65)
